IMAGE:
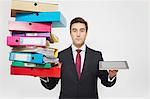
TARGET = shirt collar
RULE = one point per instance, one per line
(74, 48)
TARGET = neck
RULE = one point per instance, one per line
(78, 46)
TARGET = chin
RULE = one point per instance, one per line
(79, 44)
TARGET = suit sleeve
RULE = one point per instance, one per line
(103, 75)
(52, 82)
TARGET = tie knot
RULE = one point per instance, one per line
(78, 50)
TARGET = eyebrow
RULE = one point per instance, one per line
(74, 29)
(82, 28)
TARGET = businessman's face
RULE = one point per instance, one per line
(78, 34)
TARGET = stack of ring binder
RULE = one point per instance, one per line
(31, 38)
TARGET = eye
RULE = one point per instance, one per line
(82, 30)
(74, 30)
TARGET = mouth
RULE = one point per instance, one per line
(77, 39)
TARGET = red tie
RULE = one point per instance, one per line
(78, 62)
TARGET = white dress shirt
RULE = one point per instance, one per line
(82, 53)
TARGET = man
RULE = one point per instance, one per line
(80, 67)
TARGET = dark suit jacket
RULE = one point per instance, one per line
(86, 87)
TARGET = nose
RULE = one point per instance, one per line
(78, 34)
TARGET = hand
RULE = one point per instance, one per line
(47, 43)
(112, 73)
(59, 64)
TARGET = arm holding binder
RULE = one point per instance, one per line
(49, 82)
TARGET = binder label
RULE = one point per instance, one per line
(23, 57)
(33, 41)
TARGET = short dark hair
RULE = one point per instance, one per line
(79, 20)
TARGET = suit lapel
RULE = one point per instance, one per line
(85, 64)
(72, 64)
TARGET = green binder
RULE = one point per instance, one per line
(23, 64)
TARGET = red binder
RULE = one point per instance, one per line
(41, 72)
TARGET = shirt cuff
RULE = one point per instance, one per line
(112, 79)
(45, 79)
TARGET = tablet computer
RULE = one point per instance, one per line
(105, 65)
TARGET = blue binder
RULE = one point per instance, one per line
(26, 57)
(57, 19)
